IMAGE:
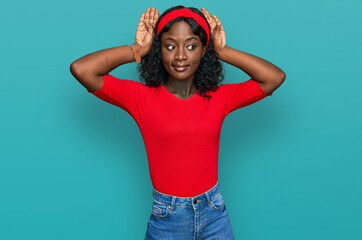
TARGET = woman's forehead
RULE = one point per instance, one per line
(181, 30)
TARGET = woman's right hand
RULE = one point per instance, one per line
(144, 33)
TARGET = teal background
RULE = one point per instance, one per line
(75, 167)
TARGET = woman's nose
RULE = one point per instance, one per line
(180, 54)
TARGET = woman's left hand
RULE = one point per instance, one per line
(217, 30)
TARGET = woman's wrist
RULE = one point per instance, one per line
(143, 51)
(138, 52)
(222, 51)
(136, 56)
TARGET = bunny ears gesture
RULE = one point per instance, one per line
(144, 33)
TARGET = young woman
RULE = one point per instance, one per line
(179, 108)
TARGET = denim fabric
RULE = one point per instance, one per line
(201, 217)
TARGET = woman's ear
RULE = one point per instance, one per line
(204, 50)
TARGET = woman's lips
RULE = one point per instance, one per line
(179, 68)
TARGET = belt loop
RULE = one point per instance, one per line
(208, 198)
(173, 202)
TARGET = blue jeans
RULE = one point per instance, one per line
(201, 217)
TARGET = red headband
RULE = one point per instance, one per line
(184, 12)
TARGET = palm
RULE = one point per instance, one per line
(217, 30)
(142, 36)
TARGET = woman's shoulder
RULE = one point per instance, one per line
(124, 81)
(219, 89)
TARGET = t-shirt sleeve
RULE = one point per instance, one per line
(123, 93)
(239, 95)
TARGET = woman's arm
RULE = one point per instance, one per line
(269, 76)
(89, 69)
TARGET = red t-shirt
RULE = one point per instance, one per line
(181, 136)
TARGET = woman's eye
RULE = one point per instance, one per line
(170, 47)
(191, 47)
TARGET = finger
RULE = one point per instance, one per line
(156, 16)
(152, 15)
(218, 29)
(212, 20)
(149, 27)
(212, 23)
(209, 19)
(217, 21)
(204, 10)
(147, 16)
(206, 13)
(221, 26)
(140, 24)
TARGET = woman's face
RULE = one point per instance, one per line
(181, 51)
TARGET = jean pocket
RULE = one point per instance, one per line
(159, 209)
(218, 201)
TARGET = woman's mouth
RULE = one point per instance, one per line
(180, 68)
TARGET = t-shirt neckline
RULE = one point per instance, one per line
(177, 98)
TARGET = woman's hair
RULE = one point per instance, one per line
(209, 73)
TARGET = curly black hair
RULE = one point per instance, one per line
(210, 71)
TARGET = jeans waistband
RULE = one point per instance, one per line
(205, 197)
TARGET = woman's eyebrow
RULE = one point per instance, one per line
(172, 39)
